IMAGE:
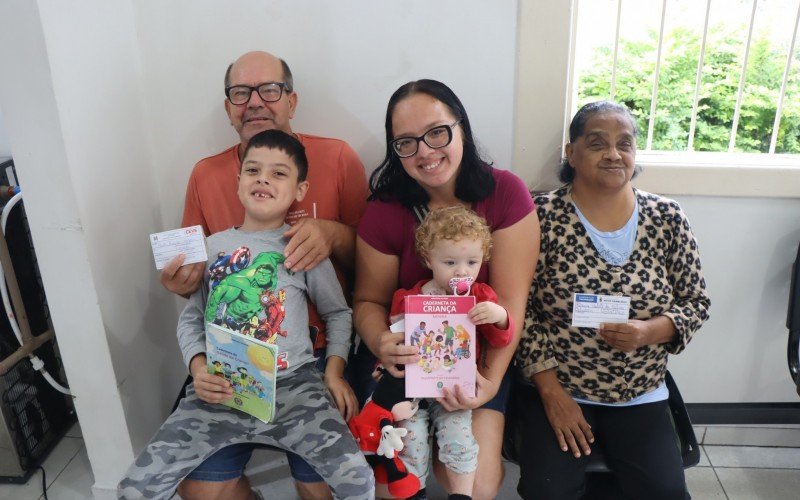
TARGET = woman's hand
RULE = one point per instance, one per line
(392, 352)
(566, 419)
(457, 400)
(209, 387)
(636, 333)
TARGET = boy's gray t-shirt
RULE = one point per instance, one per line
(247, 288)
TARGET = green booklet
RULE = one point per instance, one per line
(249, 365)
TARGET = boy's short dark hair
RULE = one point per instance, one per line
(277, 139)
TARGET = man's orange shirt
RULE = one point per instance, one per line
(337, 192)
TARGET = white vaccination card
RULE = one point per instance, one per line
(589, 310)
(186, 240)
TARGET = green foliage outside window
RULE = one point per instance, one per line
(717, 100)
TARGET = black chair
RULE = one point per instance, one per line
(793, 323)
(182, 393)
(685, 439)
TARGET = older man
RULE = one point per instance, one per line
(260, 95)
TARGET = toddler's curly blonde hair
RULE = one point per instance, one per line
(454, 224)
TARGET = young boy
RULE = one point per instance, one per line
(205, 446)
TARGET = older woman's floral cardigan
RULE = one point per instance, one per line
(663, 276)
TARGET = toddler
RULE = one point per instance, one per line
(453, 242)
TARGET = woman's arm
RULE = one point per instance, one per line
(690, 302)
(536, 359)
(690, 308)
(376, 281)
(515, 251)
(514, 255)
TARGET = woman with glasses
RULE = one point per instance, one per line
(432, 162)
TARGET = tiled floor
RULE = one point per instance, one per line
(737, 463)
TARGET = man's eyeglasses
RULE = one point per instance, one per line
(435, 138)
(268, 92)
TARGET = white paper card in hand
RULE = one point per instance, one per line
(589, 310)
(399, 326)
(186, 240)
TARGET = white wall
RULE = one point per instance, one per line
(347, 59)
(5, 147)
(98, 77)
(73, 112)
(747, 247)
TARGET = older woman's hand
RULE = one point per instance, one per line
(567, 420)
(457, 400)
(636, 333)
(625, 336)
(565, 416)
(392, 352)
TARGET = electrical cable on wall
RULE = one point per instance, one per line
(37, 363)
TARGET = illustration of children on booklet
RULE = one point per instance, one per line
(249, 365)
(438, 355)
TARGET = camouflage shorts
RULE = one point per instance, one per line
(307, 423)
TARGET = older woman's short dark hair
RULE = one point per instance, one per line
(577, 128)
(391, 182)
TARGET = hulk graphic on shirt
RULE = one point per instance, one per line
(246, 299)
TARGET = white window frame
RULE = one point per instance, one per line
(543, 90)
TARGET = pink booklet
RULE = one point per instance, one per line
(438, 325)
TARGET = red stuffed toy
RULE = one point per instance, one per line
(380, 440)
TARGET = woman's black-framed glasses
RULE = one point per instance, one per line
(268, 92)
(437, 137)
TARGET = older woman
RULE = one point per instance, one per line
(432, 162)
(604, 387)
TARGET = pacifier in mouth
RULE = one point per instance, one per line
(461, 286)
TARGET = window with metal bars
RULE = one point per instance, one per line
(700, 76)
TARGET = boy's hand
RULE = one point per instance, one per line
(343, 395)
(489, 313)
(210, 388)
(180, 279)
